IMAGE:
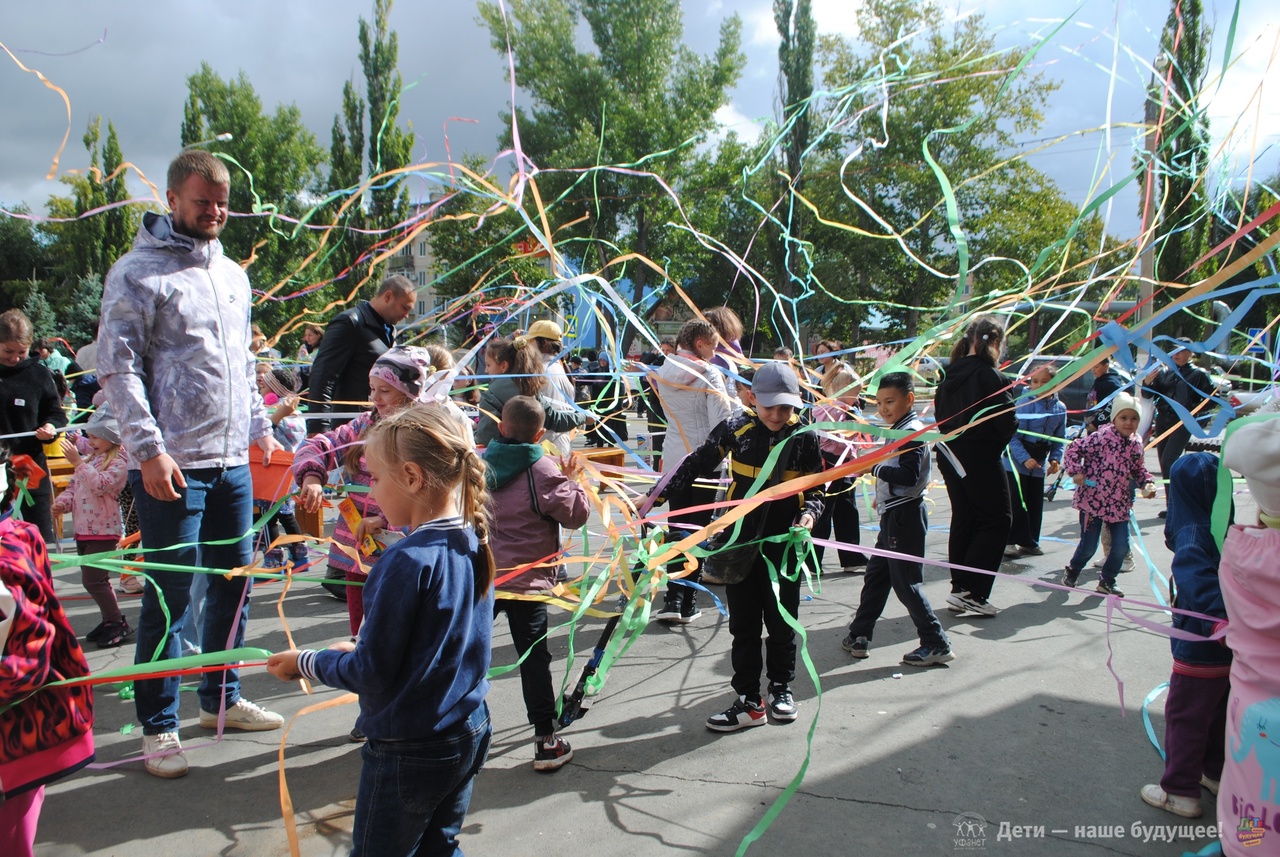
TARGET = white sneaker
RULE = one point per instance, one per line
(955, 601)
(172, 763)
(1187, 807)
(973, 603)
(244, 715)
(1211, 785)
(855, 569)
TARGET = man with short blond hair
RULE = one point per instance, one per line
(175, 366)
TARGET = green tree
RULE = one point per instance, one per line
(795, 66)
(638, 96)
(83, 245)
(43, 318)
(276, 170)
(1182, 144)
(938, 79)
(372, 155)
(78, 323)
(23, 256)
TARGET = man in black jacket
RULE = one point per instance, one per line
(1189, 387)
(352, 342)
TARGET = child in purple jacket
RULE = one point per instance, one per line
(1102, 465)
(532, 498)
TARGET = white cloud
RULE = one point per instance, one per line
(731, 118)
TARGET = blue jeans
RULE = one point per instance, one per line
(414, 795)
(216, 505)
(1090, 533)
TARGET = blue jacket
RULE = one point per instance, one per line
(1192, 485)
(1046, 416)
(422, 662)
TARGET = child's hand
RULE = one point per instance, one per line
(284, 665)
(806, 521)
(72, 454)
(311, 494)
(344, 646)
(369, 526)
(571, 466)
(1077, 478)
(287, 407)
(1054, 467)
(1149, 491)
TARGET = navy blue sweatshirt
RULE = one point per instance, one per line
(422, 662)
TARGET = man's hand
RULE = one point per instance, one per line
(46, 432)
(311, 494)
(1031, 464)
(284, 665)
(268, 444)
(344, 646)
(806, 521)
(162, 477)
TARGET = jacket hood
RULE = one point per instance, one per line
(1193, 484)
(959, 372)
(506, 459)
(157, 233)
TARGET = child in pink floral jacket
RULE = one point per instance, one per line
(92, 497)
(1104, 465)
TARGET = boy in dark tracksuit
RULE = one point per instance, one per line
(748, 439)
(900, 485)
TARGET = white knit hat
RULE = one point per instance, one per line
(1253, 451)
(1124, 402)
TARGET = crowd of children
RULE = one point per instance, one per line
(415, 557)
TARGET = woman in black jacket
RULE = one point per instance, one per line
(30, 407)
(974, 400)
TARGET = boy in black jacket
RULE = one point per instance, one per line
(900, 485)
(749, 438)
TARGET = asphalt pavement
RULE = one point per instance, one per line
(1027, 743)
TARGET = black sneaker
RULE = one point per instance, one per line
(741, 715)
(1109, 589)
(96, 634)
(670, 611)
(551, 755)
(782, 704)
(1070, 577)
(115, 634)
(689, 611)
(859, 647)
(927, 657)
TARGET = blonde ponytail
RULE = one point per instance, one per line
(432, 439)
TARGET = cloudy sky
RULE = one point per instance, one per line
(136, 56)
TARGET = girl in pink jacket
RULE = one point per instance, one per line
(92, 497)
(1104, 465)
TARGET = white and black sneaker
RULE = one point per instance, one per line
(670, 611)
(782, 704)
(927, 657)
(743, 714)
(971, 603)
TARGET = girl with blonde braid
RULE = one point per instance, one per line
(421, 663)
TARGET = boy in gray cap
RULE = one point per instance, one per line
(748, 439)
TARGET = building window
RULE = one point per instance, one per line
(422, 307)
(422, 248)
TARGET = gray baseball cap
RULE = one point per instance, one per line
(776, 384)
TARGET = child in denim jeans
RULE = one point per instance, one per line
(1102, 465)
(421, 664)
